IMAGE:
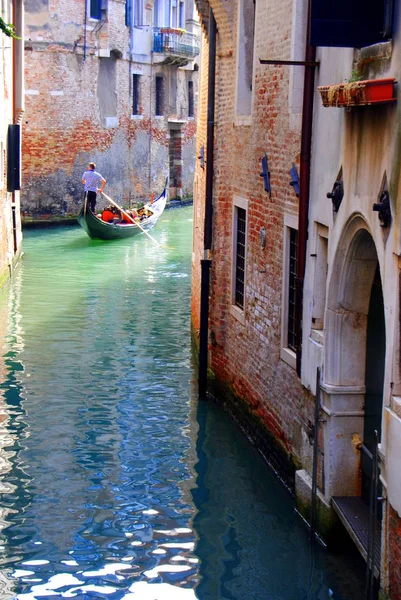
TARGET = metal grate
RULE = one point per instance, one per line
(240, 258)
(292, 274)
(135, 93)
(159, 95)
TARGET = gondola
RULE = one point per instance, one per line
(98, 229)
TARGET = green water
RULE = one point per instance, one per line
(115, 482)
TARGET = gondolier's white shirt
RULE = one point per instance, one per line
(92, 181)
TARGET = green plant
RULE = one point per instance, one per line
(8, 29)
(355, 76)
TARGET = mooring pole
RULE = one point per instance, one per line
(315, 459)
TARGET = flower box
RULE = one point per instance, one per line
(358, 93)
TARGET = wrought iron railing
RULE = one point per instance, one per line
(176, 42)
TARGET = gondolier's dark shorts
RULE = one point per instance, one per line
(91, 196)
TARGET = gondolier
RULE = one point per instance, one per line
(91, 180)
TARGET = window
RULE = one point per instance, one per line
(292, 277)
(246, 32)
(159, 95)
(239, 253)
(320, 280)
(128, 13)
(95, 9)
(190, 98)
(181, 16)
(138, 13)
(289, 341)
(136, 94)
(350, 23)
(173, 13)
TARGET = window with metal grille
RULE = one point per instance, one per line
(240, 257)
(292, 274)
(159, 95)
(190, 98)
(135, 94)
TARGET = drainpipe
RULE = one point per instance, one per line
(208, 227)
(304, 183)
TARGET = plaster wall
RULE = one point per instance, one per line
(11, 107)
(365, 143)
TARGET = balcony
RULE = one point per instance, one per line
(175, 46)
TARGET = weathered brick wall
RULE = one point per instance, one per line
(395, 554)
(79, 110)
(247, 357)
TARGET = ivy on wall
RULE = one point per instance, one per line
(8, 29)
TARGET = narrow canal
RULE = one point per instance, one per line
(115, 481)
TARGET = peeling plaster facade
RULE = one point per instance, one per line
(11, 109)
(91, 96)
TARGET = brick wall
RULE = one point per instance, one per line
(79, 108)
(246, 357)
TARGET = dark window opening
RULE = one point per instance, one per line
(240, 258)
(190, 98)
(351, 23)
(159, 96)
(292, 275)
(135, 94)
(95, 9)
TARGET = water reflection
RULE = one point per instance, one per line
(115, 483)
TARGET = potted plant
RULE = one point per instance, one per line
(358, 93)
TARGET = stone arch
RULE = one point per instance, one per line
(348, 305)
(343, 383)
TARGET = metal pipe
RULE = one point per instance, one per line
(208, 225)
(304, 182)
(315, 459)
(210, 132)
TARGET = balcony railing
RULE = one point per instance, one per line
(175, 42)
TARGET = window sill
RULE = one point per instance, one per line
(289, 357)
(243, 120)
(238, 314)
(137, 117)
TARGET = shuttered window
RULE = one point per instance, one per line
(95, 9)
(292, 275)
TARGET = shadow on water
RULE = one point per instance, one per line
(251, 544)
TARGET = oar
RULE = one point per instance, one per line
(130, 218)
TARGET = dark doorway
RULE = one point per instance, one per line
(374, 378)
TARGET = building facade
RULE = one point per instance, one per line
(12, 109)
(111, 82)
(302, 307)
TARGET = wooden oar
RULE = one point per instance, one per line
(131, 219)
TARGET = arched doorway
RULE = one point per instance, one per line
(353, 377)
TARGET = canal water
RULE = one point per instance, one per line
(115, 481)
